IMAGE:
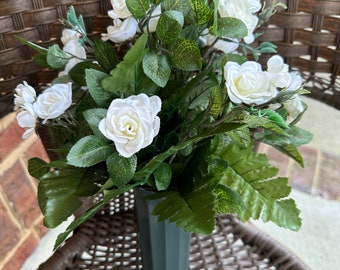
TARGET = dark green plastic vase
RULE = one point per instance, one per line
(164, 245)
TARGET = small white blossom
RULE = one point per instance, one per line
(24, 94)
(54, 101)
(132, 123)
(248, 84)
(120, 10)
(27, 120)
(121, 30)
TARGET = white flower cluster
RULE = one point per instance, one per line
(50, 104)
(124, 25)
(249, 84)
(131, 123)
(70, 40)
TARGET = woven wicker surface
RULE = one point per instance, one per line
(38, 22)
(307, 34)
(110, 241)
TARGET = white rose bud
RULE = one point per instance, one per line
(132, 123)
(69, 34)
(278, 72)
(247, 83)
(27, 120)
(121, 30)
(120, 10)
(54, 101)
(294, 106)
(24, 94)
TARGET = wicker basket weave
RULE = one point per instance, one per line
(38, 22)
(110, 240)
(307, 35)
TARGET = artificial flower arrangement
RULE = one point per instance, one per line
(170, 98)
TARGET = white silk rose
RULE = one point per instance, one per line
(132, 123)
(120, 10)
(248, 84)
(121, 30)
(243, 10)
(54, 101)
(27, 120)
(24, 94)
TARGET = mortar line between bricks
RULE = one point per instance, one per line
(10, 160)
(6, 204)
(12, 252)
(314, 189)
(30, 179)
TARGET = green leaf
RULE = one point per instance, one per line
(233, 57)
(93, 117)
(138, 8)
(74, 20)
(121, 169)
(288, 142)
(156, 67)
(108, 195)
(149, 168)
(250, 175)
(37, 167)
(58, 193)
(56, 57)
(194, 213)
(231, 27)
(122, 79)
(39, 49)
(202, 13)
(163, 176)
(105, 55)
(228, 201)
(179, 5)
(57, 203)
(77, 73)
(169, 26)
(89, 151)
(282, 209)
(241, 137)
(185, 55)
(215, 101)
(254, 121)
(93, 79)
